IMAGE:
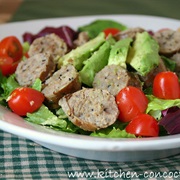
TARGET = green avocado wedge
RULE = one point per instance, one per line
(143, 55)
(95, 63)
(119, 52)
(82, 53)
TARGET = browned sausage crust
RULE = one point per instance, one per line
(39, 66)
(113, 78)
(90, 109)
(64, 81)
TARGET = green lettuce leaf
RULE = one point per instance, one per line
(170, 64)
(117, 130)
(97, 26)
(43, 116)
(7, 85)
(112, 133)
(156, 105)
(37, 85)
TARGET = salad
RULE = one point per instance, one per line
(103, 79)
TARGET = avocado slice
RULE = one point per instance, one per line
(81, 53)
(119, 52)
(144, 56)
(95, 63)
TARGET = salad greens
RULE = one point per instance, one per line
(94, 28)
(156, 105)
(89, 59)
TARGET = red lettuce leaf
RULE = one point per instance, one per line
(171, 121)
(64, 32)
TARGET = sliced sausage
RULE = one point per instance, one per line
(82, 39)
(50, 43)
(64, 81)
(169, 41)
(114, 78)
(39, 66)
(90, 109)
(129, 33)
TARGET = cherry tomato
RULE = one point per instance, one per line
(166, 85)
(7, 66)
(112, 31)
(143, 125)
(25, 100)
(11, 46)
(131, 101)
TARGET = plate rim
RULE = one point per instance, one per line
(66, 138)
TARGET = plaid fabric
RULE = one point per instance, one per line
(23, 159)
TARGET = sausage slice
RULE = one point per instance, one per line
(129, 33)
(64, 81)
(50, 43)
(169, 41)
(39, 66)
(114, 78)
(90, 109)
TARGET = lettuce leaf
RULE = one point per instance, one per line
(156, 105)
(43, 116)
(97, 26)
(7, 85)
(117, 130)
(112, 133)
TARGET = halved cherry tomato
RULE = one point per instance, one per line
(25, 100)
(166, 85)
(7, 66)
(131, 101)
(11, 46)
(112, 31)
(143, 125)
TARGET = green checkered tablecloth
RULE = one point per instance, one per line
(23, 159)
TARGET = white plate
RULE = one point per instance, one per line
(84, 146)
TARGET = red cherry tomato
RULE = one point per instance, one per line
(166, 85)
(7, 66)
(25, 100)
(112, 31)
(11, 46)
(131, 101)
(143, 125)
